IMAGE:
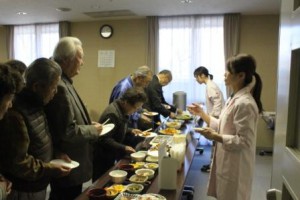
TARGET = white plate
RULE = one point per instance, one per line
(150, 113)
(151, 135)
(153, 196)
(153, 153)
(199, 129)
(72, 164)
(167, 106)
(151, 159)
(107, 128)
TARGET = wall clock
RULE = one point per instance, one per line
(106, 31)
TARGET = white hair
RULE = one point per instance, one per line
(66, 48)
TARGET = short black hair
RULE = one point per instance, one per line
(134, 95)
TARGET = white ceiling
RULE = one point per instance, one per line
(45, 10)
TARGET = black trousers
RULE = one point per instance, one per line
(64, 193)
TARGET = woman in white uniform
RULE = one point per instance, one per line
(214, 99)
(235, 131)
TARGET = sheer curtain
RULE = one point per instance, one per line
(34, 41)
(185, 43)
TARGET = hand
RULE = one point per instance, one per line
(145, 118)
(136, 131)
(208, 133)
(6, 184)
(129, 149)
(195, 109)
(64, 157)
(98, 127)
(172, 115)
(61, 169)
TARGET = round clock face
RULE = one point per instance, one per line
(106, 31)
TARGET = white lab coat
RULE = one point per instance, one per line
(214, 99)
(234, 159)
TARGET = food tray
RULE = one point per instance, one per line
(127, 196)
(161, 138)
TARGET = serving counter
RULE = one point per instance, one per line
(153, 187)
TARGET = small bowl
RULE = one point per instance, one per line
(153, 166)
(145, 172)
(173, 124)
(134, 188)
(118, 176)
(111, 193)
(128, 168)
(97, 194)
(138, 156)
(138, 179)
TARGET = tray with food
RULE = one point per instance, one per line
(184, 117)
(127, 196)
(169, 131)
(162, 138)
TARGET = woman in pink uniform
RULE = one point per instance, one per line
(234, 132)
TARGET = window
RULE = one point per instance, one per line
(35, 41)
(186, 43)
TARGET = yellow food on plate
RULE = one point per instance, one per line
(145, 134)
(118, 187)
(110, 192)
(170, 131)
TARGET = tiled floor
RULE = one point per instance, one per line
(261, 182)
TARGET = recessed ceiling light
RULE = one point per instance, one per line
(186, 1)
(63, 9)
(21, 13)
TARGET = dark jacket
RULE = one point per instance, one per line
(26, 146)
(156, 99)
(111, 146)
(71, 131)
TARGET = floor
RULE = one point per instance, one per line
(198, 179)
(261, 182)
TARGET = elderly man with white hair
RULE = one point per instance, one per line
(71, 127)
(139, 79)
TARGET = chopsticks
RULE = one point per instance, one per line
(147, 130)
(105, 122)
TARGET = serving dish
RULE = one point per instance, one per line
(134, 188)
(145, 172)
(161, 138)
(174, 124)
(118, 176)
(127, 196)
(184, 117)
(151, 196)
(138, 156)
(152, 166)
(96, 194)
(169, 131)
(138, 179)
(152, 159)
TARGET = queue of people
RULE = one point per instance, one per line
(42, 118)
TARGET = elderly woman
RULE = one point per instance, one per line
(121, 139)
(235, 131)
(26, 147)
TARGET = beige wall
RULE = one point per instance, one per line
(129, 42)
(3, 50)
(259, 37)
